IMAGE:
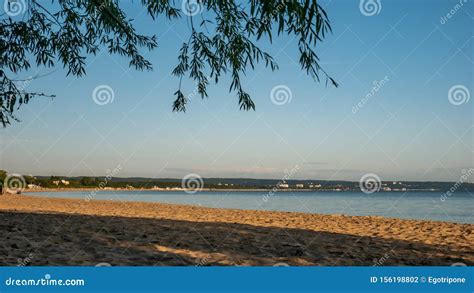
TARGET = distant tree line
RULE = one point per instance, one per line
(222, 183)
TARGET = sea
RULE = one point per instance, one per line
(458, 207)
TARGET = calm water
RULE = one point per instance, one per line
(409, 205)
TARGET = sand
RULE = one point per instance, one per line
(48, 231)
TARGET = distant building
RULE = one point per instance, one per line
(283, 185)
(33, 186)
(299, 185)
(57, 182)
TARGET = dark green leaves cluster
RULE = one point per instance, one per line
(222, 41)
(230, 46)
(77, 28)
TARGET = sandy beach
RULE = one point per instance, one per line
(48, 231)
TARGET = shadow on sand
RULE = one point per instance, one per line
(64, 239)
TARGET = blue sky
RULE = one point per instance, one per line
(407, 130)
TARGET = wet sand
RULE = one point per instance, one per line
(51, 231)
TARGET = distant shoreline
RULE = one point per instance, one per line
(215, 190)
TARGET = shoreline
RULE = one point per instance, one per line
(78, 232)
(219, 190)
